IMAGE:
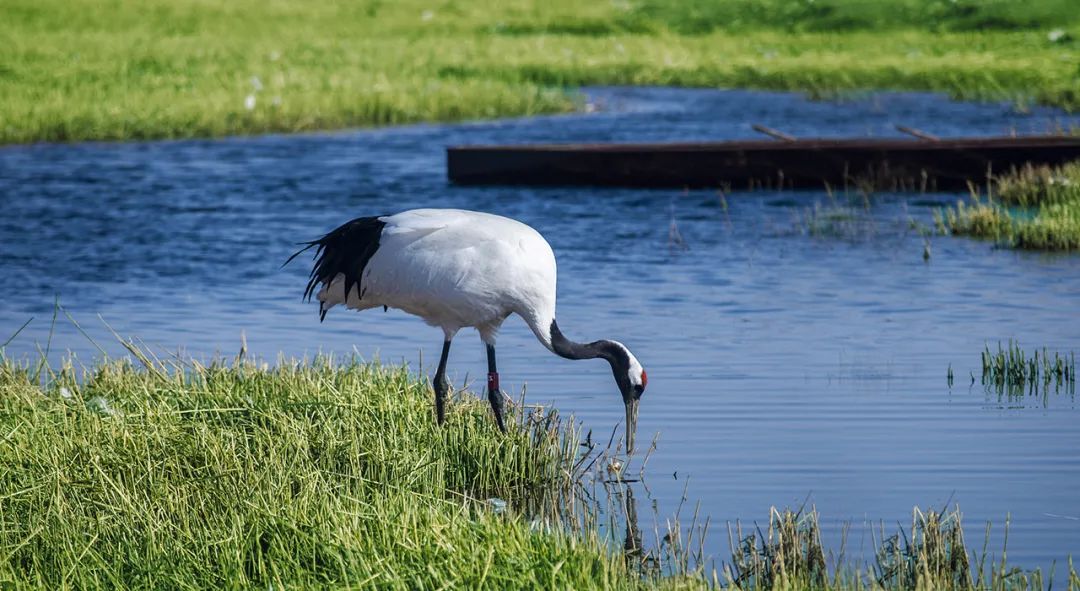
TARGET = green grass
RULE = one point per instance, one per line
(705, 16)
(300, 476)
(119, 69)
(978, 219)
(1035, 186)
(1035, 208)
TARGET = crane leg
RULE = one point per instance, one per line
(495, 397)
(440, 385)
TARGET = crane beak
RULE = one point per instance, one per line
(631, 423)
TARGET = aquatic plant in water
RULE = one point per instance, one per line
(931, 554)
(1011, 370)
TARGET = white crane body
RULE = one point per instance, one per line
(456, 269)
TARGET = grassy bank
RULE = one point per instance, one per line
(299, 476)
(118, 69)
(1036, 208)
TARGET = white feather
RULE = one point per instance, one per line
(456, 269)
(635, 370)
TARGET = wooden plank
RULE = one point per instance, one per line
(922, 135)
(802, 163)
(773, 133)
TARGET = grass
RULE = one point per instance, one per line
(306, 476)
(705, 16)
(1034, 186)
(1035, 208)
(118, 69)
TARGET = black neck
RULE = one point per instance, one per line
(564, 347)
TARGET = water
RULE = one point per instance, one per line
(790, 354)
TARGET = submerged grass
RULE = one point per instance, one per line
(1035, 208)
(83, 69)
(1013, 370)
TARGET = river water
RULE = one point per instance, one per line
(797, 344)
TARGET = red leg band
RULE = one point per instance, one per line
(493, 381)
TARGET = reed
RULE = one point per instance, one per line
(1012, 369)
(931, 554)
(790, 554)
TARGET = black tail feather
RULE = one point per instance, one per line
(299, 252)
(346, 250)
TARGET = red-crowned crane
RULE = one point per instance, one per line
(454, 269)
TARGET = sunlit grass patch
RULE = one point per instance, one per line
(79, 69)
(295, 476)
(1039, 185)
(1035, 208)
(978, 219)
(1054, 227)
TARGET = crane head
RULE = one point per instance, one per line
(632, 379)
